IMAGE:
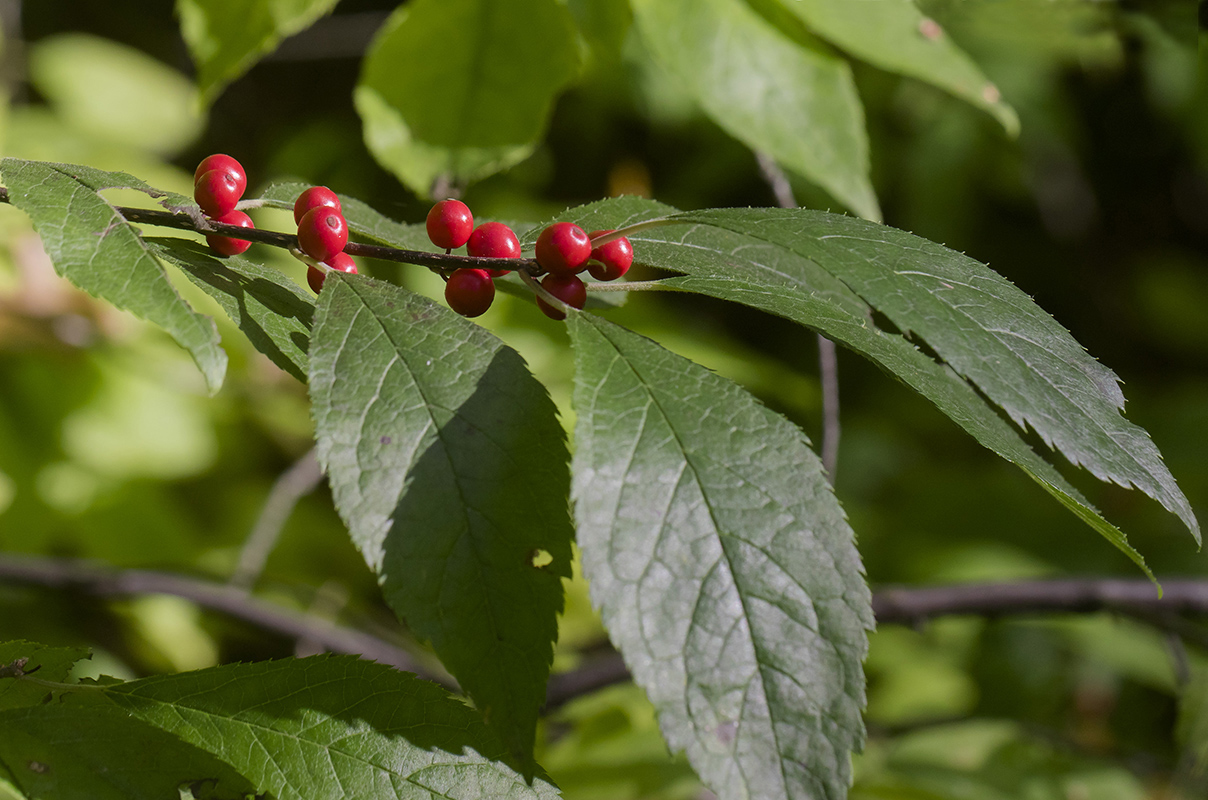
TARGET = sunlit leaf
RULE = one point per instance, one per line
(725, 569)
(91, 245)
(448, 464)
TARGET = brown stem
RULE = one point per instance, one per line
(437, 261)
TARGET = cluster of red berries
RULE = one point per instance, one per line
(563, 251)
(322, 233)
(218, 184)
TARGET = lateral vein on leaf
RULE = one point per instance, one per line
(717, 527)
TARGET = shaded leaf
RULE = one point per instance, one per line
(984, 327)
(226, 37)
(93, 247)
(273, 311)
(448, 464)
(793, 102)
(894, 35)
(463, 88)
(332, 726)
(725, 569)
(48, 663)
(93, 751)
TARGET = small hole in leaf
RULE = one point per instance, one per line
(541, 558)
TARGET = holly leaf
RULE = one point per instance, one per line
(273, 311)
(226, 37)
(985, 328)
(449, 467)
(792, 101)
(92, 246)
(460, 89)
(332, 726)
(895, 36)
(362, 219)
(94, 751)
(725, 570)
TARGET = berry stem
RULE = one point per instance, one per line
(621, 233)
(633, 286)
(541, 292)
(440, 262)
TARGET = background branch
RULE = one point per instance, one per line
(1137, 599)
(828, 359)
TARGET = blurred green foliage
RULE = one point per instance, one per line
(109, 448)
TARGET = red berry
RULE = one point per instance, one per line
(470, 292)
(224, 245)
(341, 262)
(322, 233)
(450, 224)
(563, 248)
(567, 288)
(314, 197)
(611, 260)
(216, 192)
(494, 240)
(223, 163)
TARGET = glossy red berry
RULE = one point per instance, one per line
(494, 240)
(315, 197)
(567, 288)
(611, 260)
(216, 192)
(223, 163)
(340, 262)
(322, 233)
(470, 292)
(450, 224)
(563, 248)
(224, 245)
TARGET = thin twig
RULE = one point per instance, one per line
(230, 600)
(439, 261)
(294, 484)
(912, 606)
(828, 359)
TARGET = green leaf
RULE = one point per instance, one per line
(361, 217)
(47, 663)
(984, 327)
(93, 751)
(894, 35)
(463, 88)
(108, 89)
(731, 266)
(448, 464)
(273, 311)
(791, 101)
(226, 37)
(332, 726)
(93, 247)
(724, 567)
